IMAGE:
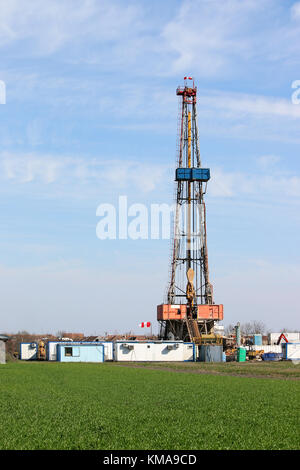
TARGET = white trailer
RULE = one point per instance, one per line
(291, 351)
(154, 351)
(189, 352)
(28, 351)
(52, 350)
(291, 337)
(108, 350)
(3, 339)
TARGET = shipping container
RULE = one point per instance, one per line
(154, 351)
(28, 351)
(210, 353)
(272, 356)
(80, 352)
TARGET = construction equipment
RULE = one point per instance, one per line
(189, 311)
(41, 351)
(255, 355)
(282, 336)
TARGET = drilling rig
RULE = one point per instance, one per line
(189, 312)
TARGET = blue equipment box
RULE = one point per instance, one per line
(192, 174)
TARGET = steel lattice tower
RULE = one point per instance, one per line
(189, 309)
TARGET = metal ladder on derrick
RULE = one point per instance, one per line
(193, 330)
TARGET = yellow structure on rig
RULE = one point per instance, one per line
(41, 351)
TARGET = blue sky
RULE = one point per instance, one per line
(91, 114)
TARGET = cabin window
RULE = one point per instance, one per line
(69, 352)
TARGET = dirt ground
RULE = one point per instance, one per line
(274, 370)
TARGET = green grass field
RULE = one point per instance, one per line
(110, 406)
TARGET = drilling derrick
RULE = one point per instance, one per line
(189, 312)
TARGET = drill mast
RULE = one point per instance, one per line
(189, 309)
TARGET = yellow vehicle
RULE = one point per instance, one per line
(255, 354)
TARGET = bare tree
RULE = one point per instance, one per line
(60, 334)
(246, 329)
(229, 329)
(253, 327)
(258, 327)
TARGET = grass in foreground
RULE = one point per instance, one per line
(101, 406)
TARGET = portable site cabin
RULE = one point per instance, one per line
(291, 351)
(80, 352)
(158, 351)
(28, 351)
(52, 349)
(3, 339)
(292, 337)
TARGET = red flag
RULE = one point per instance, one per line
(145, 324)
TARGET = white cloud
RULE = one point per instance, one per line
(209, 37)
(28, 168)
(295, 11)
(69, 173)
(206, 35)
(262, 185)
(144, 106)
(50, 24)
(46, 169)
(241, 104)
(247, 116)
(268, 161)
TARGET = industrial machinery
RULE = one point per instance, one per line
(282, 336)
(41, 351)
(189, 311)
